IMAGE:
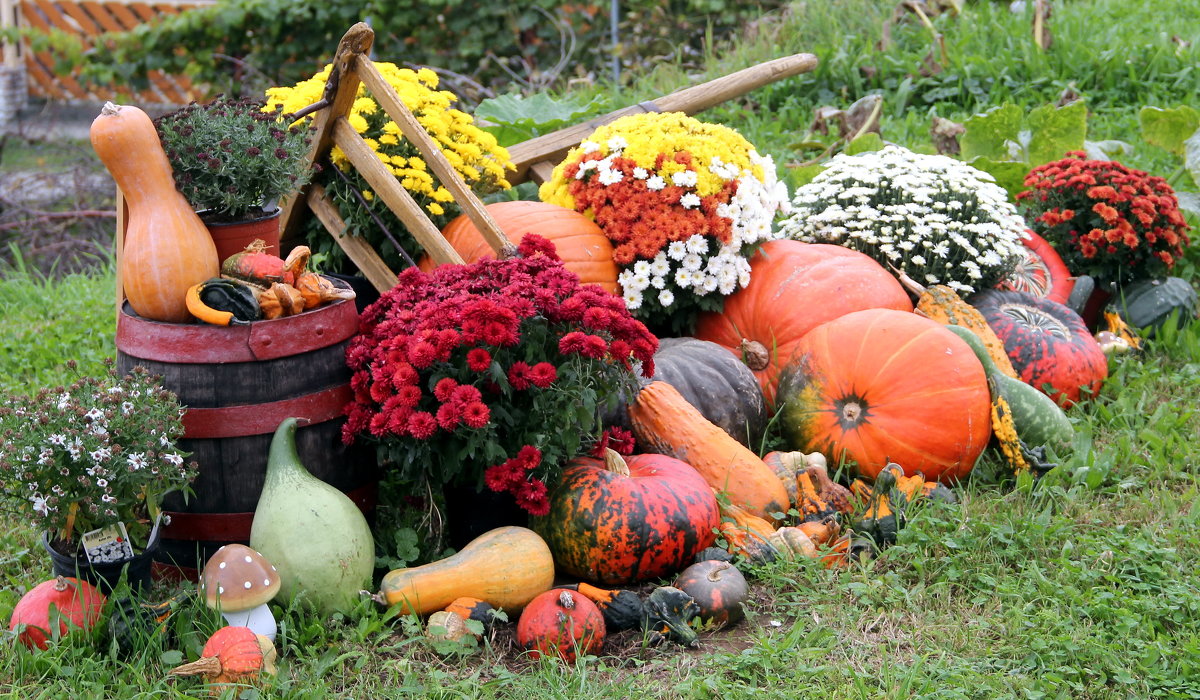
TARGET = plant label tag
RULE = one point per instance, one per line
(107, 544)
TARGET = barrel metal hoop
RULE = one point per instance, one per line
(235, 527)
(264, 418)
(193, 343)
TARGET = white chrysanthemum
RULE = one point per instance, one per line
(655, 183)
(608, 176)
(691, 200)
(692, 262)
(697, 245)
(589, 147)
(660, 266)
(617, 143)
(926, 215)
(640, 173)
(677, 250)
(685, 178)
(666, 297)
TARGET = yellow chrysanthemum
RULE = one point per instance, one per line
(435, 209)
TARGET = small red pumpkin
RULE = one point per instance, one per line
(795, 287)
(880, 386)
(618, 521)
(1048, 344)
(561, 623)
(1040, 272)
(579, 242)
(77, 602)
(718, 588)
(231, 655)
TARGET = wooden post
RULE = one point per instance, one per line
(446, 174)
(553, 147)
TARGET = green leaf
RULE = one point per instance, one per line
(1109, 149)
(801, 176)
(171, 657)
(1191, 156)
(513, 118)
(869, 141)
(1168, 128)
(1189, 202)
(1009, 174)
(992, 134)
(1056, 130)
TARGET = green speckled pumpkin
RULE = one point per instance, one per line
(616, 522)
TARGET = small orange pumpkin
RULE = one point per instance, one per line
(580, 243)
(561, 623)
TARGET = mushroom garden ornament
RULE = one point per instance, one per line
(239, 582)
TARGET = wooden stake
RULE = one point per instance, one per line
(359, 251)
(446, 174)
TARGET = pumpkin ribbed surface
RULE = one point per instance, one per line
(613, 528)
(879, 385)
(1049, 345)
(582, 246)
(795, 287)
(1040, 272)
(718, 385)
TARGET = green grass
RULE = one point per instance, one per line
(1085, 584)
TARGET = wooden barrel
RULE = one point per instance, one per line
(238, 383)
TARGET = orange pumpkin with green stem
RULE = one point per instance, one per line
(166, 248)
(794, 288)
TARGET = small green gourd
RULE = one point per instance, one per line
(314, 534)
(1038, 420)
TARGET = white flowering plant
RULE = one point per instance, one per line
(933, 218)
(685, 204)
(95, 453)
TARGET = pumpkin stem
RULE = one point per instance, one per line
(909, 283)
(715, 574)
(614, 462)
(204, 666)
(109, 109)
(754, 354)
(60, 584)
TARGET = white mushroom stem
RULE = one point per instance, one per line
(259, 619)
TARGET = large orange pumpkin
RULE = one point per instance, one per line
(581, 244)
(794, 287)
(881, 386)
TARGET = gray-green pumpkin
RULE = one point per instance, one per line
(1150, 303)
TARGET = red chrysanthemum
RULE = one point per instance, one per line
(542, 375)
(479, 360)
(518, 376)
(476, 415)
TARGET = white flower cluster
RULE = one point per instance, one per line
(699, 265)
(933, 218)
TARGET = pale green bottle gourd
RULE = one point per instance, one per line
(314, 534)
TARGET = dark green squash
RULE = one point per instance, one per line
(668, 616)
(717, 383)
(718, 588)
(1150, 303)
(622, 609)
(227, 295)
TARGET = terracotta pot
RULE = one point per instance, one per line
(233, 237)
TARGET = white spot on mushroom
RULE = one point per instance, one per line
(221, 565)
(249, 559)
(266, 581)
(249, 585)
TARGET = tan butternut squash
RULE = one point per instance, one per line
(506, 567)
(668, 424)
(166, 248)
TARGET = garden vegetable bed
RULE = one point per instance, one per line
(1042, 587)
